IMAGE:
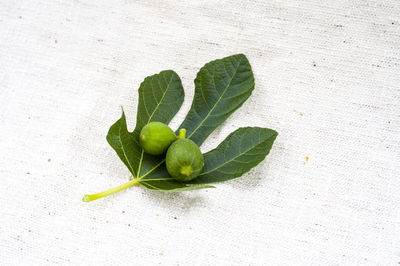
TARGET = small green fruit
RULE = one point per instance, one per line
(156, 137)
(184, 160)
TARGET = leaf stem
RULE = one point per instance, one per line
(182, 133)
(92, 197)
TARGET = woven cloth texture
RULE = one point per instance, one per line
(327, 79)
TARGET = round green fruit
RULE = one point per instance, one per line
(184, 160)
(156, 137)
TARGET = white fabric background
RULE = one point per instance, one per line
(327, 79)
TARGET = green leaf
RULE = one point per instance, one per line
(236, 155)
(170, 185)
(221, 87)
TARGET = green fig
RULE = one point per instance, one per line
(156, 137)
(184, 160)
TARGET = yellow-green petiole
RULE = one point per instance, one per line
(96, 196)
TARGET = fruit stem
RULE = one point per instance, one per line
(182, 133)
(91, 197)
